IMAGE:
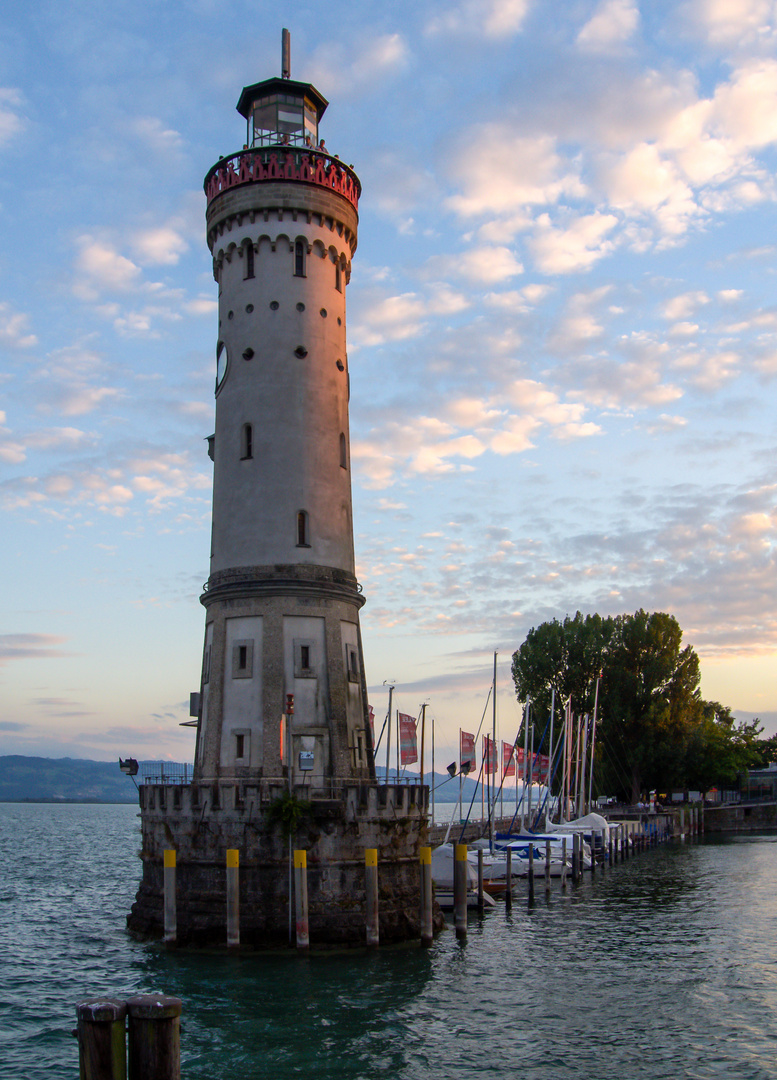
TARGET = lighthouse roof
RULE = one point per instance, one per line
(280, 86)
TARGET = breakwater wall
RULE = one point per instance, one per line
(738, 818)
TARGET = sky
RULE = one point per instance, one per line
(562, 327)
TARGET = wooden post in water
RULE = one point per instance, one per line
(154, 1037)
(574, 858)
(547, 867)
(233, 897)
(682, 822)
(371, 872)
(302, 924)
(531, 871)
(481, 901)
(102, 1049)
(427, 927)
(604, 850)
(593, 853)
(610, 847)
(564, 863)
(509, 877)
(460, 867)
(171, 928)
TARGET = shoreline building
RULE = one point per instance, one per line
(284, 747)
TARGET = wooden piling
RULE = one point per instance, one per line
(154, 1037)
(371, 880)
(481, 901)
(170, 912)
(509, 877)
(460, 867)
(612, 852)
(593, 853)
(233, 897)
(531, 871)
(102, 1050)
(427, 926)
(301, 922)
(547, 867)
(564, 863)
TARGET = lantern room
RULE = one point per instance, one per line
(280, 112)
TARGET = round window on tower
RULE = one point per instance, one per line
(222, 362)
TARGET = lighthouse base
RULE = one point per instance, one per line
(264, 823)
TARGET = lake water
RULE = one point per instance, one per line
(665, 967)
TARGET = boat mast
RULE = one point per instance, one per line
(493, 756)
(388, 734)
(593, 743)
(549, 773)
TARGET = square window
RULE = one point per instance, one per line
(304, 658)
(243, 659)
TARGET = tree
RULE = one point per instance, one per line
(648, 696)
(718, 750)
(563, 656)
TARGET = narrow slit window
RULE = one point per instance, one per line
(242, 657)
(303, 538)
(299, 259)
(304, 656)
(240, 746)
(343, 458)
(247, 442)
(249, 268)
(338, 277)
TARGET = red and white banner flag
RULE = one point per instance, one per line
(540, 769)
(520, 758)
(467, 751)
(408, 743)
(489, 755)
(508, 759)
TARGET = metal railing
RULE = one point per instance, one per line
(283, 163)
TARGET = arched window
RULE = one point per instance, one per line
(249, 267)
(303, 533)
(299, 259)
(247, 442)
(343, 458)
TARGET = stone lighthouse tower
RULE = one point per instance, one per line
(284, 744)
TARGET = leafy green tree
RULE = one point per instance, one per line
(649, 702)
(719, 748)
(563, 656)
(649, 698)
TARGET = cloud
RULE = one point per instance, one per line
(397, 318)
(101, 268)
(740, 23)
(160, 246)
(151, 131)
(481, 18)
(612, 24)
(30, 647)
(13, 329)
(499, 172)
(359, 64)
(11, 121)
(576, 247)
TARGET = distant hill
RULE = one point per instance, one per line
(38, 779)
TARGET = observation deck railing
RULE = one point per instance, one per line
(305, 166)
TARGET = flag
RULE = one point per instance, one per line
(508, 762)
(467, 751)
(408, 743)
(371, 712)
(541, 768)
(489, 755)
(520, 761)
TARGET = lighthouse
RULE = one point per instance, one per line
(284, 747)
(282, 600)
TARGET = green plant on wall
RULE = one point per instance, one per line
(289, 812)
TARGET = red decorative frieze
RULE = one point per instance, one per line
(254, 166)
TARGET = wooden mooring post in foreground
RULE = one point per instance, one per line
(148, 1049)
